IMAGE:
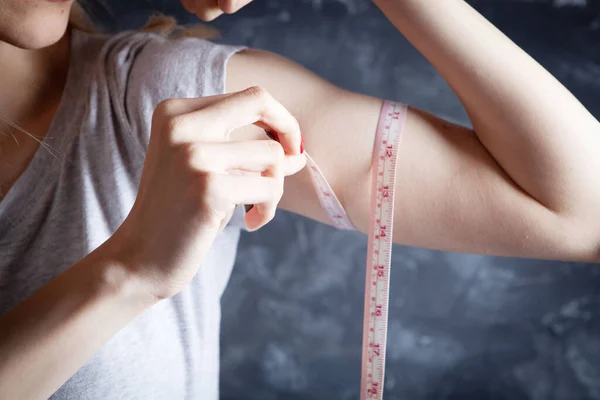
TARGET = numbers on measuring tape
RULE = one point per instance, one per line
(379, 251)
(375, 349)
(377, 312)
(379, 246)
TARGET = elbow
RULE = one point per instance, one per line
(575, 224)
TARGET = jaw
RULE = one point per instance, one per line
(33, 24)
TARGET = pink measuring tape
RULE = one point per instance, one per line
(379, 251)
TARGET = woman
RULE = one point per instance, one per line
(117, 237)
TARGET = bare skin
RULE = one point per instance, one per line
(43, 72)
(521, 183)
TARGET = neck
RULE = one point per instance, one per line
(31, 82)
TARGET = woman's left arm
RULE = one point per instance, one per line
(524, 182)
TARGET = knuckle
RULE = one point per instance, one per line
(174, 125)
(257, 92)
(185, 155)
(210, 198)
(160, 115)
(165, 108)
(200, 157)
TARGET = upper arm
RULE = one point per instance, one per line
(451, 193)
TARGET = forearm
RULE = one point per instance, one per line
(540, 135)
(48, 337)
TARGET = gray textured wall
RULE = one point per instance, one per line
(461, 326)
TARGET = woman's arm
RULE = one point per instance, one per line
(521, 184)
(535, 129)
(45, 339)
(159, 247)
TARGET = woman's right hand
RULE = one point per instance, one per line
(194, 177)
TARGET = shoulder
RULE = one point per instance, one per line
(141, 69)
(143, 59)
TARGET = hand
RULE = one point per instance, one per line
(207, 10)
(194, 177)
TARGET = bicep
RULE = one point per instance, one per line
(451, 194)
(321, 110)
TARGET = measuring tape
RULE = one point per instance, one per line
(379, 250)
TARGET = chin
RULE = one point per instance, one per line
(33, 24)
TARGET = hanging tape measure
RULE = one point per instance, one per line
(379, 249)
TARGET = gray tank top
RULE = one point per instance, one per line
(73, 197)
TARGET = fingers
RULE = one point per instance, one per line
(209, 14)
(214, 118)
(174, 107)
(256, 106)
(263, 191)
(249, 156)
(264, 157)
(201, 128)
(264, 212)
(208, 10)
(232, 6)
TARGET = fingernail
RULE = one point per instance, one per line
(302, 144)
